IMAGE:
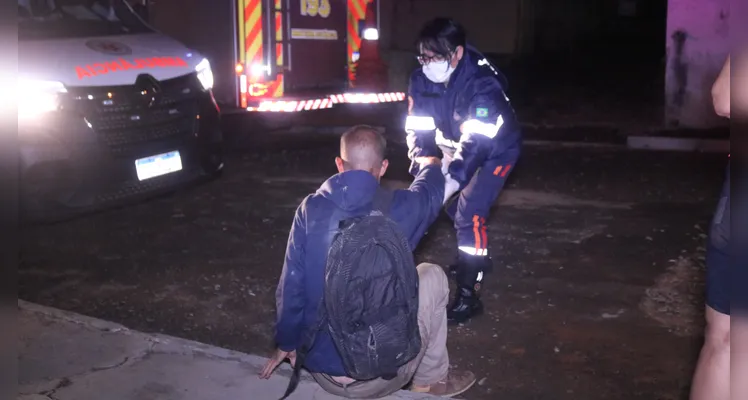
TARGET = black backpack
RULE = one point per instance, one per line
(370, 301)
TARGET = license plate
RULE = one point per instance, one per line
(160, 164)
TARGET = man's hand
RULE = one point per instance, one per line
(275, 361)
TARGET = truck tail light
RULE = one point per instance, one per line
(243, 90)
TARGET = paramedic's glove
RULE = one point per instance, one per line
(446, 161)
(451, 187)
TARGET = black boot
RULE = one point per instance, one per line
(480, 263)
(468, 273)
(466, 305)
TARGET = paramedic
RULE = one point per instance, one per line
(458, 107)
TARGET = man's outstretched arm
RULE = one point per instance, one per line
(419, 205)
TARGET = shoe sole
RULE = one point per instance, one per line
(468, 387)
(450, 395)
(477, 313)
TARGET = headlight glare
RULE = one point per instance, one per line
(37, 97)
(205, 74)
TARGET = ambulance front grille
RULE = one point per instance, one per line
(125, 119)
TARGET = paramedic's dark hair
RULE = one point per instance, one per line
(441, 36)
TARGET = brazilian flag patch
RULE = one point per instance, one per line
(481, 112)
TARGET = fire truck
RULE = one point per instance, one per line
(283, 55)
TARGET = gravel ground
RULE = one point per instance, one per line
(597, 291)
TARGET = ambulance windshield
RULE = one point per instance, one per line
(59, 19)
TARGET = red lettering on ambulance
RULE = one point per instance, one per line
(100, 68)
(180, 62)
(82, 73)
(126, 65)
(113, 66)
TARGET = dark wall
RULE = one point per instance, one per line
(206, 27)
(601, 29)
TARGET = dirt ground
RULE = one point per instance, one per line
(597, 291)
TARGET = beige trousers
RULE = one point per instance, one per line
(432, 363)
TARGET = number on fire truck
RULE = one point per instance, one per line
(312, 8)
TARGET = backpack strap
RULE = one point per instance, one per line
(303, 351)
(382, 201)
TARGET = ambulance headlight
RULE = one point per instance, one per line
(38, 97)
(205, 74)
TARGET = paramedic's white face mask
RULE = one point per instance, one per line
(438, 71)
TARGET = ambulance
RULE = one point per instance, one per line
(109, 109)
(281, 55)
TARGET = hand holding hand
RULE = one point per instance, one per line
(426, 161)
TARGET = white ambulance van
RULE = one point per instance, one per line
(109, 109)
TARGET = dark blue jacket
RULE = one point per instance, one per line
(301, 285)
(475, 91)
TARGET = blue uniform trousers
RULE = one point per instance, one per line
(471, 209)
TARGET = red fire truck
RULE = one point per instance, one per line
(280, 55)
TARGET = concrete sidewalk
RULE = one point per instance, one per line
(66, 356)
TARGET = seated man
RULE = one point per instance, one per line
(361, 165)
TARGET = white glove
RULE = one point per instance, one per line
(451, 187)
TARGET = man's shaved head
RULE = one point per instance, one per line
(362, 147)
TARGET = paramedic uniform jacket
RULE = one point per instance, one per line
(474, 96)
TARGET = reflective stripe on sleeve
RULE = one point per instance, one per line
(483, 128)
(414, 123)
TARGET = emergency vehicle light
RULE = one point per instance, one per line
(259, 69)
(38, 97)
(371, 34)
